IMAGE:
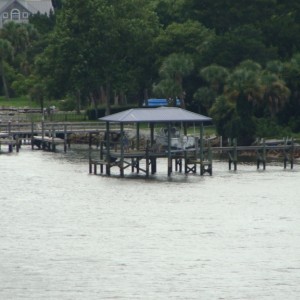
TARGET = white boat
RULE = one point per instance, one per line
(178, 140)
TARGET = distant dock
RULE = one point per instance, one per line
(47, 135)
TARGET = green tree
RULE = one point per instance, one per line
(215, 76)
(223, 113)
(6, 53)
(291, 75)
(276, 93)
(224, 15)
(245, 90)
(189, 37)
(98, 47)
(204, 97)
(239, 44)
(170, 11)
(173, 70)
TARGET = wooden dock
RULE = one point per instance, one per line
(142, 157)
(189, 160)
(144, 160)
(49, 135)
(263, 151)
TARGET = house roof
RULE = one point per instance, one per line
(42, 6)
(33, 6)
(155, 115)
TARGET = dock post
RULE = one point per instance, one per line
(53, 146)
(101, 156)
(264, 155)
(169, 150)
(202, 167)
(235, 154)
(285, 154)
(289, 157)
(32, 133)
(185, 162)
(261, 157)
(209, 165)
(18, 143)
(65, 138)
(90, 165)
(230, 160)
(122, 141)
(147, 158)
(153, 165)
(292, 154)
(232, 153)
(108, 149)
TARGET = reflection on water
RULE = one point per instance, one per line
(66, 234)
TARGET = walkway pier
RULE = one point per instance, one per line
(49, 135)
(285, 149)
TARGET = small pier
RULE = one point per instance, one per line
(263, 150)
(145, 161)
(141, 155)
(49, 135)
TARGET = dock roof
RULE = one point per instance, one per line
(155, 115)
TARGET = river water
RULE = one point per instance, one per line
(69, 235)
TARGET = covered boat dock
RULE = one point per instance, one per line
(117, 149)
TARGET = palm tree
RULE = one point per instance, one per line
(276, 92)
(216, 76)
(205, 97)
(275, 67)
(19, 35)
(174, 68)
(245, 90)
(245, 83)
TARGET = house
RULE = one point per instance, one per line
(20, 10)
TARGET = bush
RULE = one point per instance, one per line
(294, 124)
(67, 104)
(268, 128)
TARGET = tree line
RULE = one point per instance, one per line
(237, 61)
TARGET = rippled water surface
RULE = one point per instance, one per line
(65, 234)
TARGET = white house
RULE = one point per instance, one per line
(20, 10)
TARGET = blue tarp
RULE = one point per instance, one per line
(154, 102)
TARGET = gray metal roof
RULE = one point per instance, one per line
(33, 6)
(155, 115)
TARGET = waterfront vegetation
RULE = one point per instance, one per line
(237, 63)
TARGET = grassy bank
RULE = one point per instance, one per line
(18, 102)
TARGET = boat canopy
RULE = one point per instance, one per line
(155, 115)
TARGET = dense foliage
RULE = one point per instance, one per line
(237, 61)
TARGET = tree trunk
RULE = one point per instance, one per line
(105, 97)
(5, 87)
(107, 111)
(116, 98)
(78, 101)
